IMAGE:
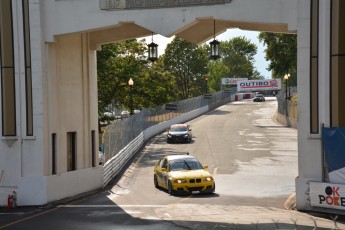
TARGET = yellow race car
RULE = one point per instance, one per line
(183, 174)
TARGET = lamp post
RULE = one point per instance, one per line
(131, 83)
(214, 45)
(206, 84)
(286, 77)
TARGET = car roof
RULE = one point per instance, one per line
(176, 157)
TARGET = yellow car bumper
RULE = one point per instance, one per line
(193, 188)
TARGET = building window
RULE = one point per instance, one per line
(337, 99)
(93, 148)
(314, 59)
(53, 153)
(8, 99)
(71, 151)
(28, 75)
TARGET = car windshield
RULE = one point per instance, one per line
(178, 129)
(184, 164)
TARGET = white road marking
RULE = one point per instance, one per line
(110, 206)
(13, 213)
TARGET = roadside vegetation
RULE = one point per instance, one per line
(183, 71)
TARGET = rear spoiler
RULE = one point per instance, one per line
(160, 155)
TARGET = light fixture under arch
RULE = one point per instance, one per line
(214, 45)
(152, 51)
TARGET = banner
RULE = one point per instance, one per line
(140, 4)
(327, 195)
(252, 85)
(232, 81)
(334, 150)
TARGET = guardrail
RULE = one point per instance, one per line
(112, 167)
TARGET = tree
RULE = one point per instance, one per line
(187, 64)
(157, 86)
(238, 54)
(116, 63)
(216, 71)
(282, 53)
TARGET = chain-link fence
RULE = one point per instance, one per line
(123, 131)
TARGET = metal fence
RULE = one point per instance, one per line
(286, 107)
(121, 132)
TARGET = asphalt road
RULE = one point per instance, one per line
(253, 160)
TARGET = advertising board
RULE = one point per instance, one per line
(327, 195)
(232, 81)
(253, 85)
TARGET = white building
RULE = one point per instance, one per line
(48, 76)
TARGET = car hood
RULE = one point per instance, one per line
(189, 173)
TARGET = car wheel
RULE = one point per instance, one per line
(155, 181)
(170, 189)
(214, 189)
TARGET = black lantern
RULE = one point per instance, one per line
(214, 45)
(153, 51)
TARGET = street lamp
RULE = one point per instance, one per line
(131, 83)
(214, 45)
(206, 84)
(152, 51)
(286, 77)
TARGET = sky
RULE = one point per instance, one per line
(260, 63)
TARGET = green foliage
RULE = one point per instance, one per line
(183, 71)
(157, 86)
(187, 64)
(216, 71)
(282, 53)
(238, 54)
(116, 64)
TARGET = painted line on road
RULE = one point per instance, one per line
(110, 206)
(13, 213)
(28, 218)
(42, 213)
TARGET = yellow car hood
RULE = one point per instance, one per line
(189, 174)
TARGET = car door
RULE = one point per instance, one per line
(162, 172)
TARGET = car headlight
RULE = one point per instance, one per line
(186, 135)
(180, 181)
(169, 135)
(208, 179)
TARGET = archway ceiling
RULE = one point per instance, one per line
(197, 32)
(203, 30)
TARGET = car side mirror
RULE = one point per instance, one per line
(205, 166)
